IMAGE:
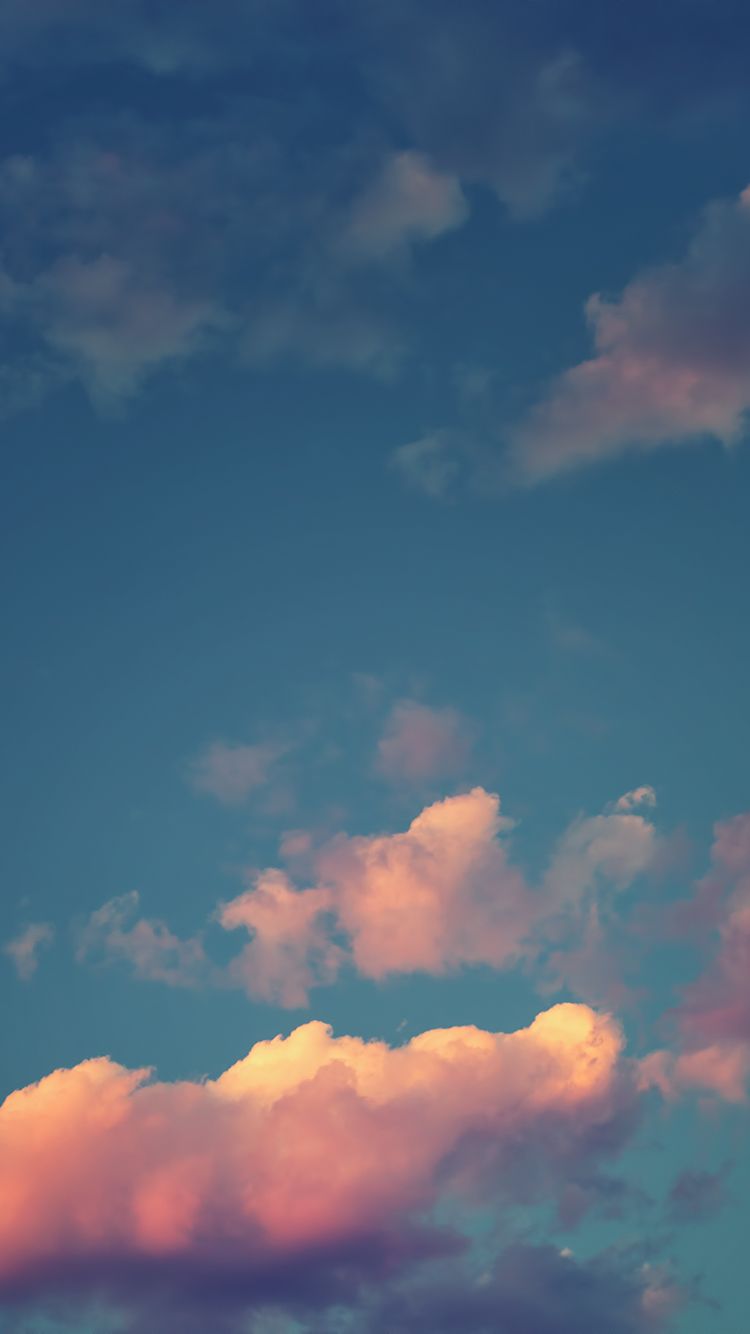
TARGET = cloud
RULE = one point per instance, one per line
(422, 743)
(409, 201)
(149, 947)
(25, 948)
(439, 896)
(640, 796)
(713, 1014)
(722, 1068)
(696, 1195)
(615, 847)
(114, 325)
(430, 464)
(291, 949)
(312, 1157)
(532, 1290)
(716, 1008)
(232, 772)
(671, 362)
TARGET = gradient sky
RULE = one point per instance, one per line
(375, 379)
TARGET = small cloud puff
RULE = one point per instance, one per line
(420, 743)
(25, 948)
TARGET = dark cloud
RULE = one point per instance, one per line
(696, 1195)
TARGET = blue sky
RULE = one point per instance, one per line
(375, 387)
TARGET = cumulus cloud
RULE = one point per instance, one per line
(671, 359)
(441, 895)
(311, 1156)
(422, 743)
(24, 949)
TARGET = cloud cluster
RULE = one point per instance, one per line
(310, 1155)
(441, 895)
(115, 932)
(186, 204)
(713, 1016)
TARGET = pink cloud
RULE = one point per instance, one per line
(721, 1068)
(437, 896)
(671, 363)
(614, 847)
(307, 1146)
(24, 949)
(717, 1006)
(431, 899)
(441, 895)
(113, 932)
(290, 950)
(421, 743)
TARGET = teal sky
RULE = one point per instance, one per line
(375, 384)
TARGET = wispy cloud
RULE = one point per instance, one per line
(421, 743)
(25, 948)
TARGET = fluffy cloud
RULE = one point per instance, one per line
(671, 363)
(311, 1155)
(24, 949)
(290, 949)
(422, 743)
(440, 895)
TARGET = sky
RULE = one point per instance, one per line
(375, 925)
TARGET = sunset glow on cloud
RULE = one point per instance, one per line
(375, 913)
(306, 1144)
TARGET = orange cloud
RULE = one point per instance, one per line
(438, 896)
(305, 1145)
(290, 949)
